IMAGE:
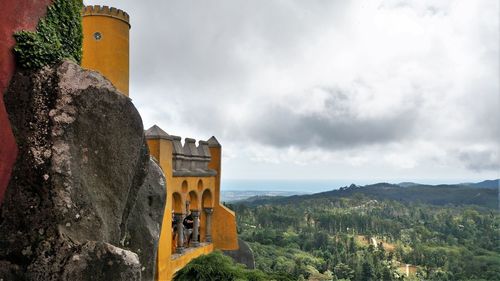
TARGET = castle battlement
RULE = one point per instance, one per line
(107, 11)
(188, 160)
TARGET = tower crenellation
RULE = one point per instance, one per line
(98, 10)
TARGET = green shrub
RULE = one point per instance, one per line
(217, 267)
(57, 36)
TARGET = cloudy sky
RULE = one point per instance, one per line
(360, 90)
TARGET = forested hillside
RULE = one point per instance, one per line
(480, 194)
(374, 232)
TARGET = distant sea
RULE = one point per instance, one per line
(235, 190)
(295, 186)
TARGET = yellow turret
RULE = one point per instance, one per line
(106, 44)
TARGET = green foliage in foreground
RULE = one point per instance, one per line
(57, 36)
(217, 267)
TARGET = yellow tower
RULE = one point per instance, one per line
(106, 44)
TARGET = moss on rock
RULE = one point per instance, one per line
(58, 36)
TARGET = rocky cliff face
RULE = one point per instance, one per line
(85, 201)
(243, 255)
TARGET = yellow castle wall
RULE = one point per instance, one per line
(110, 54)
(161, 150)
(224, 234)
(178, 263)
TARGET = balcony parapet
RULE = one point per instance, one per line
(188, 160)
(191, 160)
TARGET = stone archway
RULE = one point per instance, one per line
(177, 203)
(193, 200)
(184, 186)
(200, 185)
(194, 209)
(207, 200)
(177, 218)
(207, 204)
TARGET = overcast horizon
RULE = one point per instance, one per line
(324, 90)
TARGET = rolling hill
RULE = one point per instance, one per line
(481, 194)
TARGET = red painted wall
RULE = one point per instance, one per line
(15, 15)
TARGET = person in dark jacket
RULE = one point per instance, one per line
(188, 227)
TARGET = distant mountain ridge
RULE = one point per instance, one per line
(407, 184)
(483, 194)
(494, 184)
(487, 184)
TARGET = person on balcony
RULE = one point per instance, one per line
(188, 228)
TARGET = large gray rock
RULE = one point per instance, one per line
(144, 223)
(82, 163)
(101, 261)
(9, 271)
(243, 255)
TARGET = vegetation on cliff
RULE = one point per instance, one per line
(366, 234)
(58, 36)
(215, 266)
(366, 237)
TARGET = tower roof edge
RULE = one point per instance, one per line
(213, 142)
(98, 10)
(156, 132)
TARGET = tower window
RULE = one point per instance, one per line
(97, 36)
